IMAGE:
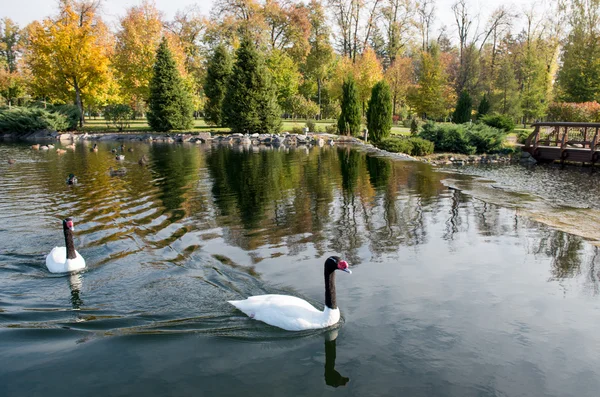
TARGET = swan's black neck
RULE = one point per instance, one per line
(69, 243)
(330, 301)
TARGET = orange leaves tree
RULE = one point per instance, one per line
(68, 55)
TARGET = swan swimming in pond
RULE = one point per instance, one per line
(65, 259)
(295, 314)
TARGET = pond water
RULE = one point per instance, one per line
(454, 292)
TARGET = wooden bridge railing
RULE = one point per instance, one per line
(566, 137)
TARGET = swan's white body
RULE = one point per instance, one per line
(287, 312)
(57, 261)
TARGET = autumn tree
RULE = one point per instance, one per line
(170, 104)
(399, 77)
(68, 55)
(367, 72)
(429, 100)
(137, 39)
(379, 113)
(320, 55)
(349, 120)
(250, 104)
(284, 74)
(12, 82)
(215, 85)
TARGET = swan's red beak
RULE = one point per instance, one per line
(70, 225)
(343, 266)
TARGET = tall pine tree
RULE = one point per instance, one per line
(462, 113)
(379, 113)
(170, 105)
(250, 104)
(215, 85)
(349, 121)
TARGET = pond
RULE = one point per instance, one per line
(453, 292)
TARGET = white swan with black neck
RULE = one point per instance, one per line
(295, 314)
(65, 259)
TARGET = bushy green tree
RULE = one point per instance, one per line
(250, 104)
(215, 85)
(506, 98)
(170, 105)
(462, 113)
(349, 121)
(379, 113)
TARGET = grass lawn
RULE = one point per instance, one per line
(141, 125)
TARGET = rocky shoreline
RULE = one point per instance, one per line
(281, 141)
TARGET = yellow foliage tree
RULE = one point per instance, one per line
(367, 72)
(135, 52)
(400, 77)
(68, 55)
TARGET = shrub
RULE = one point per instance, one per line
(588, 112)
(501, 122)
(118, 115)
(297, 130)
(414, 126)
(447, 137)
(331, 129)
(465, 139)
(379, 112)
(421, 147)
(311, 126)
(396, 145)
(522, 136)
(486, 139)
(414, 146)
(70, 111)
(21, 121)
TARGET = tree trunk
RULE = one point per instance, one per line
(78, 101)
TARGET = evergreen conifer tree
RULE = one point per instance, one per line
(215, 85)
(170, 105)
(250, 103)
(462, 113)
(379, 113)
(484, 107)
(349, 121)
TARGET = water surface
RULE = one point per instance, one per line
(453, 293)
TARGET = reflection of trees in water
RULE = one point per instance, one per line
(564, 249)
(175, 168)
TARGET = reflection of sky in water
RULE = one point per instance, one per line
(450, 294)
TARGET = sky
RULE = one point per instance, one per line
(25, 11)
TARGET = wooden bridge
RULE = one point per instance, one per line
(576, 142)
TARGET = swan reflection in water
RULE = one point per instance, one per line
(75, 285)
(332, 377)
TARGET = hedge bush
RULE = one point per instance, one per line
(421, 147)
(413, 146)
(463, 138)
(499, 121)
(19, 120)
